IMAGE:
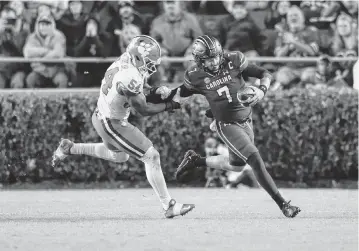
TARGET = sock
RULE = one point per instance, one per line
(99, 150)
(155, 176)
(264, 179)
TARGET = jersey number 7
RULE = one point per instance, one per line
(225, 90)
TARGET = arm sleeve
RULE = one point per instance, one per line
(253, 70)
(154, 98)
(187, 82)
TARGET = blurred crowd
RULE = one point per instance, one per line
(57, 29)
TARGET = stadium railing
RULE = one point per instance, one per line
(165, 59)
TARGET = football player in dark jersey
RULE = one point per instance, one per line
(219, 77)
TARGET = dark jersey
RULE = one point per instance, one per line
(221, 90)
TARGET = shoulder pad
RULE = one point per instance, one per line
(189, 77)
(238, 59)
(129, 80)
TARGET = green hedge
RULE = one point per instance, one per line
(302, 134)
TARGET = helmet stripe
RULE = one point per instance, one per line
(210, 39)
(201, 38)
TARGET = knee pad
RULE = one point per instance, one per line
(151, 156)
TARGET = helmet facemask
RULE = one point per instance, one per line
(149, 66)
(201, 62)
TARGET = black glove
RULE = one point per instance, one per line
(155, 98)
(172, 105)
(209, 114)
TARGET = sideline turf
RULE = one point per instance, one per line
(242, 219)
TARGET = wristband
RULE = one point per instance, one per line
(263, 88)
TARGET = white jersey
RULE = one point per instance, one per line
(122, 74)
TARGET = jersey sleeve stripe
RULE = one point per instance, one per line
(244, 64)
(188, 86)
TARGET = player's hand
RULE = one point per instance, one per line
(258, 96)
(213, 126)
(164, 91)
(209, 114)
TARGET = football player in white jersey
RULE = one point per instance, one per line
(121, 89)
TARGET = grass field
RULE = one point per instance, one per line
(242, 219)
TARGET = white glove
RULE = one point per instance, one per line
(164, 91)
(258, 96)
(213, 126)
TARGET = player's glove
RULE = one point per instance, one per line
(172, 105)
(164, 91)
(258, 96)
(209, 114)
(160, 95)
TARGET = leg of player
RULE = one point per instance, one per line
(98, 150)
(154, 174)
(193, 160)
(128, 141)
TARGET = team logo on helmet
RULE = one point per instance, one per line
(144, 49)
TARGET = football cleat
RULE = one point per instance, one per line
(176, 209)
(62, 151)
(289, 210)
(186, 165)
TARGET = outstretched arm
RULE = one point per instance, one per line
(265, 77)
(164, 94)
(255, 71)
(139, 103)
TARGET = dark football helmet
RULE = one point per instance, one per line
(207, 47)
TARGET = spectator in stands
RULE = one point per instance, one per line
(325, 75)
(94, 43)
(46, 42)
(44, 7)
(12, 40)
(346, 35)
(209, 13)
(175, 30)
(73, 25)
(296, 41)
(318, 13)
(277, 16)
(126, 16)
(239, 32)
(123, 38)
(57, 7)
(21, 13)
(323, 13)
(106, 10)
(345, 44)
(148, 10)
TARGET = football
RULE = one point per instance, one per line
(246, 93)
